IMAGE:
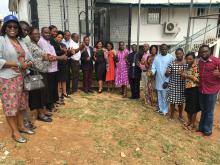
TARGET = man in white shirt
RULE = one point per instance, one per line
(75, 62)
(69, 44)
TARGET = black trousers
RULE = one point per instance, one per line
(87, 79)
(53, 89)
(135, 87)
(68, 76)
(75, 68)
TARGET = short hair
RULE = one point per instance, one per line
(24, 23)
(179, 49)
(110, 43)
(162, 45)
(85, 37)
(66, 31)
(98, 42)
(32, 28)
(42, 29)
(204, 46)
(60, 32)
(3, 30)
(153, 46)
(52, 27)
(121, 42)
(190, 54)
(72, 35)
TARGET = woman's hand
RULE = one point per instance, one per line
(52, 58)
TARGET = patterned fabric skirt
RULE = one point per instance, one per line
(175, 93)
(13, 97)
(121, 75)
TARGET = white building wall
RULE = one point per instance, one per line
(23, 10)
(71, 6)
(154, 33)
(119, 24)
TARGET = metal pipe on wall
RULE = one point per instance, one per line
(64, 14)
(49, 12)
(61, 14)
(67, 13)
(129, 25)
(189, 26)
(87, 17)
(78, 19)
(138, 28)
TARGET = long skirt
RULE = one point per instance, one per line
(192, 100)
(13, 97)
(38, 99)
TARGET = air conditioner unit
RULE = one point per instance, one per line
(170, 28)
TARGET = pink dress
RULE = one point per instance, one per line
(121, 68)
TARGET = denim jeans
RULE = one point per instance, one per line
(162, 100)
(207, 104)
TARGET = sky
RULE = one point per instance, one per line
(4, 8)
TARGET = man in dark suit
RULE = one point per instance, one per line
(87, 65)
(134, 72)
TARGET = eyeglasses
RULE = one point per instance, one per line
(12, 26)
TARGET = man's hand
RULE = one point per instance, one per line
(216, 72)
(64, 57)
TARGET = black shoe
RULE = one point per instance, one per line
(207, 134)
(85, 91)
(44, 118)
(66, 95)
(48, 114)
(90, 91)
(131, 98)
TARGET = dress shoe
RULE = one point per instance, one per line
(29, 132)
(90, 91)
(20, 139)
(65, 95)
(44, 118)
(48, 114)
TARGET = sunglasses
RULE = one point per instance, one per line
(12, 26)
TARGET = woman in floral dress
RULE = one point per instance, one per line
(151, 93)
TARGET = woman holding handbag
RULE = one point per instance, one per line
(14, 61)
(38, 99)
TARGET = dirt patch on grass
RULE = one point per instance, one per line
(99, 129)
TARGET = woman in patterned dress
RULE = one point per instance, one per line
(175, 94)
(110, 74)
(151, 93)
(14, 60)
(121, 79)
(191, 75)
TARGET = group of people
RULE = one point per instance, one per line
(59, 56)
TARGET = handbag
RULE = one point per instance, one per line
(165, 85)
(33, 82)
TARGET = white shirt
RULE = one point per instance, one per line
(76, 56)
(69, 43)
